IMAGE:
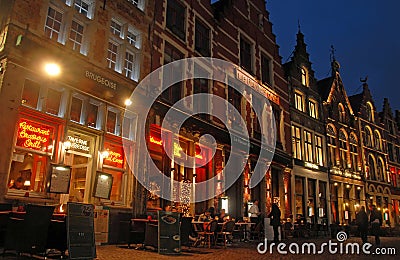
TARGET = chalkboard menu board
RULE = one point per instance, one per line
(80, 231)
(169, 234)
(103, 185)
(60, 176)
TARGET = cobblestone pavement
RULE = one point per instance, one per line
(247, 251)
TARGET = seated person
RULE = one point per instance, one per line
(205, 217)
(168, 208)
(18, 184)
(222, 217)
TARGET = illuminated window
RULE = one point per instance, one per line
(313, 109)
(370, 112)
(331, 135)
(298, 102)
(378, 143)
(342, 113)
(343, 148)
(353, 152)
(76, 36)
(308, 147)
(319, 151)
(130, 64)
(112, 53)
(138, 3)
(380, 170)
(368, 137)
(296, 142)
(53, 24)
(304, 76)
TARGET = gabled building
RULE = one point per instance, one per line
(373, 152)
(310, 193)
(343, 149)
(391, 136)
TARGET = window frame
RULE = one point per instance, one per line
(176, 18)
(297, 142)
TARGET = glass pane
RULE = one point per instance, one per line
(111, 122)
(116, 190)
(92, 115)
(30, 94)
(53, 101)
(76, 108)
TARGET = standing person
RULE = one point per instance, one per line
(275, 216)
(362, 223)
(376, 222)
(255, 212)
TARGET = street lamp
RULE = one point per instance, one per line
(52, 69)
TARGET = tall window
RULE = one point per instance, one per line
(296, 142)
(30, 94)
(343, 148)
(380, 170)
(257, 120)
(112, 54)
(342, 113)
(129, 64)
(371, 168)
(113, 121)
(390, 151)
(318, 151)
(202, 38)
(138, 3)
(246, 55)
(313, 108)
(397, 150)
(331, 144)
(53, 101)
(52, 27)
(299, 196)
(304, 76)
(265, 70)
(353, 152)
(76, 36)
(370, 112)
(174, 92)
(378, 143)
(308, 146)
(85, 7)
(298, 101)
(201, 85)
(176, 18)
(368, 137)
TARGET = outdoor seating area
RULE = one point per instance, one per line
(37, 230)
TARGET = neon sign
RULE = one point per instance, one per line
(33, 135)
(155, 141)
(114, 158)
(79, 144)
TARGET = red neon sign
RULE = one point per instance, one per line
(33, 135)
(115, 156)
(155, 140)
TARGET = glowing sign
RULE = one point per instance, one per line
(33, 135)
(155, 140)
(254, 84)
(79, 144)
(114, 158)
(177, 150)
(311, 165)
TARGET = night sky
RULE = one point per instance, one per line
(364, 33)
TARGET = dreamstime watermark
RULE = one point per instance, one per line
(331, 247)
(144, 97)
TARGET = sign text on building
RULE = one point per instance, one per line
(101, 80)
(78, 144)
(33, 135)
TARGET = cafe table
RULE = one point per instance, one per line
(245, 224)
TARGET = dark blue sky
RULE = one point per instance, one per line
(365, 34)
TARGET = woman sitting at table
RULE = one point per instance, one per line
(222, 216)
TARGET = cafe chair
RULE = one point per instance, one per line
(29, 234)
(226, 232)
(257, 232)
(208, 234)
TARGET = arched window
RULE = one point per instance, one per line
(370, 112)
(380, 170)
(343, 148)
(371, 168)
(378, 142)
(304, 76)
(342, 113)
(331, 134)
(368, 137)
(353, 152)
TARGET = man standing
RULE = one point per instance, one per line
(362, 222)
(376, 221)
(275, 216)
(255, 212)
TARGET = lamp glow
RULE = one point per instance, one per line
(52, 69)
